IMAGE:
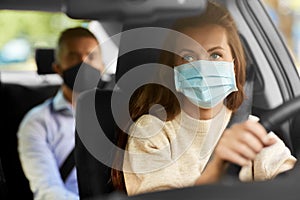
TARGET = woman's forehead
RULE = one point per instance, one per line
(207, 37)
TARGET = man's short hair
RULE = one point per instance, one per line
(72, 33)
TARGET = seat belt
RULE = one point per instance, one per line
(68, 165)
(242, 114)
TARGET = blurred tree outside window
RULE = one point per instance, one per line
(24, 31)
(286, 16)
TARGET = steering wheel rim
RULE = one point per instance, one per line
(272, 119)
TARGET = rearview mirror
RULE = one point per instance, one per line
(133, 11)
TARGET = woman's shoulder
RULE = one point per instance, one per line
(146, 126)
(147, 119)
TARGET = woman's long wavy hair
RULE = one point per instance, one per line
(148, 95)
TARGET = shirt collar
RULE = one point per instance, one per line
(60, 103)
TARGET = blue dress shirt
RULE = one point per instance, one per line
(45, 139)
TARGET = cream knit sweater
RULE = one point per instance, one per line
(163, 155)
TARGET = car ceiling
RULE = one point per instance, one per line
(44, 5)
(121, 10)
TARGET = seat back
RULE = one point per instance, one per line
(16, 100)
(93, 176)
(3, 187)
(94, 116)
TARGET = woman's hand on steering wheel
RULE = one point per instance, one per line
(242, 142)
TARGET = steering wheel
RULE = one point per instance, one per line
(270, 121)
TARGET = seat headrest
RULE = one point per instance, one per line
(139, 55)
(44, 59)
(134, 59)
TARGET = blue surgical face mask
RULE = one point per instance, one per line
(205, 83)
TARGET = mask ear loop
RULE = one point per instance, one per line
(233, 60)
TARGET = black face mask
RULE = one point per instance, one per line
(86, 76)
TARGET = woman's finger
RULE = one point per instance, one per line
(257, 130)
(232, 156)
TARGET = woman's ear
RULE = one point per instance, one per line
(56, 67)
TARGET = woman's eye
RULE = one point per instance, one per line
(215, 56)
(189, 58)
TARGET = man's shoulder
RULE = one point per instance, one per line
(39, 110)
(35, 118)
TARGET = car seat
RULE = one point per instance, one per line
(16, 100)
(3, 187)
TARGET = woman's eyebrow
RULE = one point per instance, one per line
(187, 50)
(215, 48)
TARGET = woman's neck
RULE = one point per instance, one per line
(200, 113)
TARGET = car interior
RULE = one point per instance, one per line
(19, 99)
(271, 82)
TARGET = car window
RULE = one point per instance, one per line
(24, 31)
(286, 16)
